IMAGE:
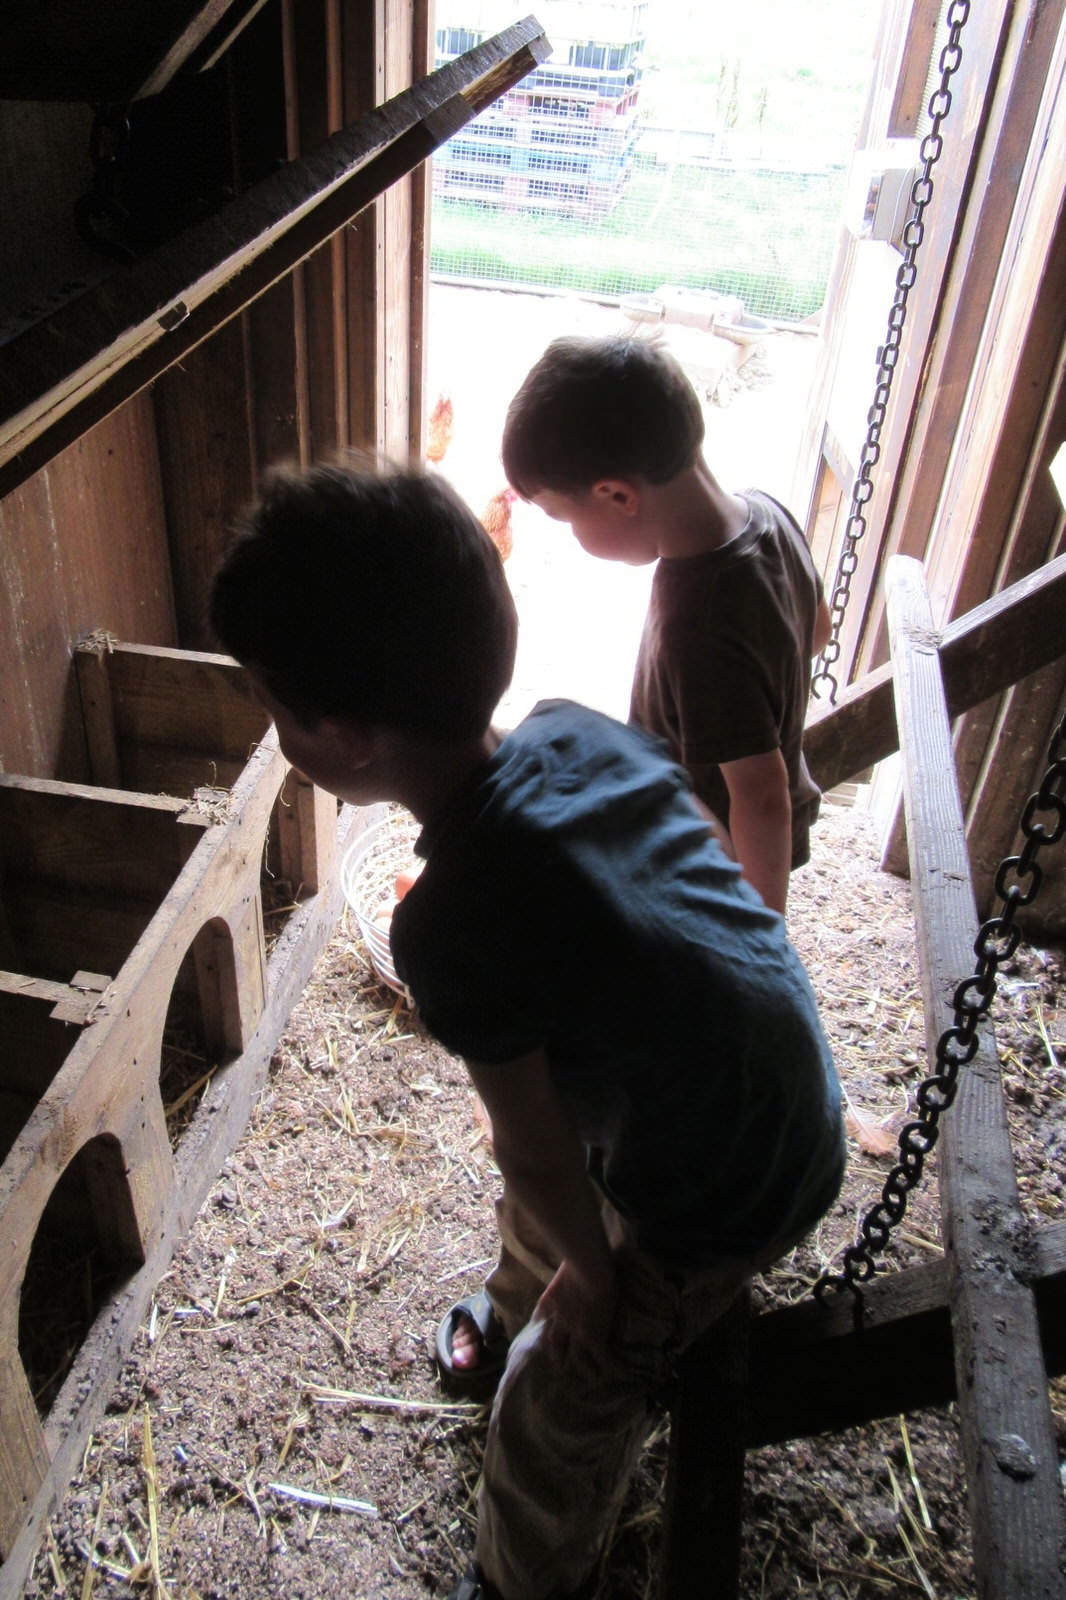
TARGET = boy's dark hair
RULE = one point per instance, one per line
(373, 595)
(600, 408)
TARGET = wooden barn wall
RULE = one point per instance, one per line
(976, 409)
(329, 358)
(121, 531)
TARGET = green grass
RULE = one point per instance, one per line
(767, 236)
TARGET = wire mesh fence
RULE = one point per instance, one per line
(649, 151)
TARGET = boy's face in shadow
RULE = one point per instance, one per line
(335, 754)
(605, 520)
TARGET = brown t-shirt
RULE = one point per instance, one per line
(724, 666)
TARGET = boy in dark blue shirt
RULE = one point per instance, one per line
(665, 1112)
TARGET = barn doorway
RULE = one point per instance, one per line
(671, 168)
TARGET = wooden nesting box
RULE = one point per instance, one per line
(131, 908)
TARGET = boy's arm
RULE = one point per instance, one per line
(542, 1158)
(760, 823)
(823, 627)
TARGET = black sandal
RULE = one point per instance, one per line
(494, 1342)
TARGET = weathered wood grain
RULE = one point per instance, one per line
(1015, 1495)
(58, 378)
(1017, 631)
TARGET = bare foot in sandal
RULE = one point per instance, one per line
(470, 1341)
(467, 1342)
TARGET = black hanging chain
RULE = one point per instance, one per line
(823, 682)
(1017, 884)
(100, 216)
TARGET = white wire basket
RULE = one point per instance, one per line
(369, 871)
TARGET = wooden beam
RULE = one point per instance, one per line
(814, 1370)
(114, 53)
(909, 99)
(166, 720)
(1008, 1435)
(38, 1475)
(60, 377)
(964, 228)
(703, 1501)
(993, 646)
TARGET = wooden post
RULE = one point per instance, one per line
(23, 1456)
(306, 819)
(1008, 1435)
(98, 713)
(705, 1468)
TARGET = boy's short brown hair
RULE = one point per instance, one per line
(600, 408)
(370, 594)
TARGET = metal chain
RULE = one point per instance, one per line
(100, 217)
(823, 681)
(1017, 884)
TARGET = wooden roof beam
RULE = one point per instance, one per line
(60, 377)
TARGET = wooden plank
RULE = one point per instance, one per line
(909, 99)
(167, 701)
(921, 445)
(974, 117)
(90, 840)
(422, 52)
(205, 467)
(55, 51)
(306, 827)
(313, 70)
(1008, 1436)
(39, 1022)
(218, 1124)
(24, 1463)
(85, 869)
(812, 1370)
(1036, 535)
(364, 62)
(996, 644)
(394, 302)
(1000, 744)
(57, 379)
(95, 513)
(98, 715)
(271, 366)
(705, 1467)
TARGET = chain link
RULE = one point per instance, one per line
(823, 682)
(100, 217)
(1017, 884)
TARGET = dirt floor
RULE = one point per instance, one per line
(279, 1429)
(288, 1354)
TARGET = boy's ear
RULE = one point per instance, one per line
(620, 493)
(354, 740)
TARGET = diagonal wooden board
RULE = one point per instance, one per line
(59, 377)
(1016, 632)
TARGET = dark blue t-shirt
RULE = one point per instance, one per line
(574, 899)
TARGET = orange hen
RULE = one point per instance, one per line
(439, 426)
(496, 521)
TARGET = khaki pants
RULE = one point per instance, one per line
(560, 1448)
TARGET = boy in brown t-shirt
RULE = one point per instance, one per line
(607, 434)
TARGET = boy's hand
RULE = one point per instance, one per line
(577, 1316)
(543, 1160)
